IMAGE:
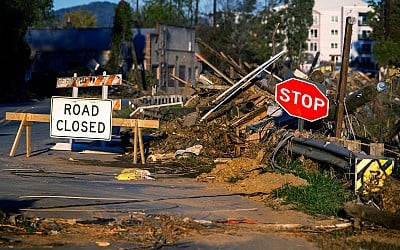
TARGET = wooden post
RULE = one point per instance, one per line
(135, 141)
(343, 77)
(28, 126)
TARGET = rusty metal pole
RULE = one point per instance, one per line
(343, 76)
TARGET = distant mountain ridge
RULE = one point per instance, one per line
(104, 12)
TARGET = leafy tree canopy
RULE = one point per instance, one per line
(167, 12)
(386, 52)
(19, 15)
(121, 38)
(384, 20)
(249, 34)
(79, 19)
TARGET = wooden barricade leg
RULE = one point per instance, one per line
(135, 141)
(18, 136)
(28, 126)
(141, 147)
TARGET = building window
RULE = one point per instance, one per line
(155, 71)
(365, 34)
(313, 47)
(334, 32)
(334, 19)
(362, 19)
(171, 71)
(314, 33)
(334, 45)
(189, 79)
(315, 19)
(182, 75)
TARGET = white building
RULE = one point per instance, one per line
(327, 33)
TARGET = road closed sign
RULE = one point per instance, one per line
(81, 118)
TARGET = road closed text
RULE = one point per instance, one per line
(81, 118)
(81, 126)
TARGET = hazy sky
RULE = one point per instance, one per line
(60, 4)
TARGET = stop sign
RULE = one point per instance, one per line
(302, 99)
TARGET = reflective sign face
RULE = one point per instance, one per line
(302, 99)
(81, 118)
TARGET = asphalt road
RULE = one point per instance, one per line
(68, 184)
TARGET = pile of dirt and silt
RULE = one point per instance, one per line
(246, 176)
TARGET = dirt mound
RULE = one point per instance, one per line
(245, 175)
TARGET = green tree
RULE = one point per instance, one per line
(19, 16)
(296, 22)
(267, 38)
(386, 52)
(79, 19)
(221, 36)
(162, 11)
(384, 20)
(251, 36)
(121, 39)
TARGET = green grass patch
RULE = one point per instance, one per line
(323, 196)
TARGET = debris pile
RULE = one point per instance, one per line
(233, 118)
(134, 232)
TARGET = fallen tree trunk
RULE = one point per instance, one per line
(374, 215)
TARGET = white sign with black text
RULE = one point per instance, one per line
(81, 118)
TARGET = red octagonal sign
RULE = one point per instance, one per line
(302, 99)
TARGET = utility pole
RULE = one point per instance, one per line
(214, 13)
(343, 76)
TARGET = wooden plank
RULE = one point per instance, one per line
(131, 123)
(187, 84)
(215, 69)
(29, 117)
(218, 87)
(121, 122)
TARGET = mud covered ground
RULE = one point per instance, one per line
(161, 231)
(356, 234)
